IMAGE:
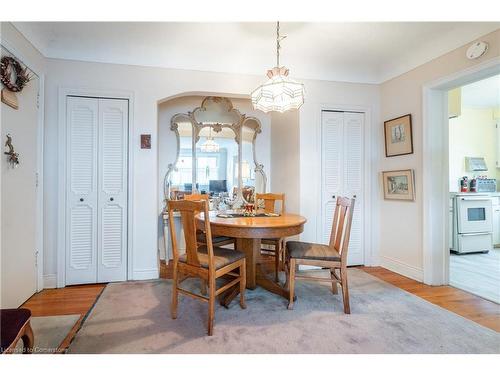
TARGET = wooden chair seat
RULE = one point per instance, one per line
(270, 241)
(222, 257)
(307, 250)
(15, 325)
(216, 240)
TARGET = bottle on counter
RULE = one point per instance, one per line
(473, 186)
(464, 184)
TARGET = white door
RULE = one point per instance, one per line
(343, 174)
(81, 190)
(353, 182)
(112, 200)
(332, 167)
(19, 199)
(96, 220)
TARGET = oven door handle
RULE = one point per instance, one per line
(474, 234)
(486, 199)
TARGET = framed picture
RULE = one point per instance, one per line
(398, 136)
(399, 185)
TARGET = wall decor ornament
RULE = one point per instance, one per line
(399, 185)
(13, 75)
(398, 136)
(14, 78)
(13, 157)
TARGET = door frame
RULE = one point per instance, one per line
(64, 92)
(370, 255)
(435, 156)
(39, 227)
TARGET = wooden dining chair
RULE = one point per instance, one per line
(206, 262)
(200, 235)
(332, 256)
(277, 244)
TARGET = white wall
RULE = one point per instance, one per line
(401, 223)
(473, 133)
(167, 146)
(285, 157)
(23, 176)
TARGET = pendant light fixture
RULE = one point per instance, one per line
(279, 93)
(210, 145)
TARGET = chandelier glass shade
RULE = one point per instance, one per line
(209, 145)
(280, 93)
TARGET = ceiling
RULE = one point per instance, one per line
(482, 94)
(352, 52)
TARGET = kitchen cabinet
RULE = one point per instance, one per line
(454, 103)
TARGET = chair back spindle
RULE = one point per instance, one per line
(341, 228)
(270, 200)
(188, 210)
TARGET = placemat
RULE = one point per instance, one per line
(233, 215)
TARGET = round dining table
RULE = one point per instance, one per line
(249, 231)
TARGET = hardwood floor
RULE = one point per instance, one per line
(452, 299)
(80, 299)
(65, 301)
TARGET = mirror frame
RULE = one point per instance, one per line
(217, 127)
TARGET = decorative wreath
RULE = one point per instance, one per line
(22, 76)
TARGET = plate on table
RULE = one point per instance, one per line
(225, 216)
(271, 214)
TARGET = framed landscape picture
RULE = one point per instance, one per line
(398, 136)
(399, 185)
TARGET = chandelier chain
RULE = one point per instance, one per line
(278, 45)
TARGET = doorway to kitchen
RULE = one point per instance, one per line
(474, 200)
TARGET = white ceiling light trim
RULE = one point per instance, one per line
(280, 93)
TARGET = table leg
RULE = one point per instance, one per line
(270, 284)
(251, 248)
(255, 274)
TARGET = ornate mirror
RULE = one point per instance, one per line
(215, 154)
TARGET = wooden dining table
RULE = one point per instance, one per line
(249, 231)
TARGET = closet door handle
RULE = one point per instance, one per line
(111, 199)
(333, 196)
(81, 199)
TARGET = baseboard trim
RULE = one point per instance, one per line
(402, 268)
(50, 281)
(146, 274)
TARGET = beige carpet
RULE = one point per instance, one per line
(134, 317)
(49, 332)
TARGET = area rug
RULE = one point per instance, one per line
(49, 332)
(134, 317)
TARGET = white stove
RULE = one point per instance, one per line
(472, 223)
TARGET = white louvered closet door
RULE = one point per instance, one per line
(343, 174)
(112, 200)
(96, 220)
(81, 190)
(354, 182)
(332, 167)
